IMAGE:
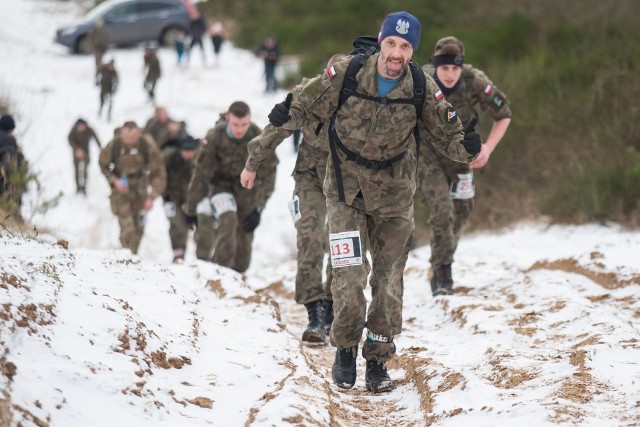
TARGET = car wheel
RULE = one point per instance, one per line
(83, 45)
(169, 35)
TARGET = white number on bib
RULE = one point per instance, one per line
(223, 203)
(204, 207)
(294, 209)
(463, 188)
(345, 249)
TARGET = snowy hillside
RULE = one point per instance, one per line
(543, 329)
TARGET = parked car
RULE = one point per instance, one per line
(129, 22)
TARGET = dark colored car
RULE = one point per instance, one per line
(129, 22)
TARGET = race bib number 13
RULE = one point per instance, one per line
(345, 249)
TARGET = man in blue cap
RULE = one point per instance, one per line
(370, 183)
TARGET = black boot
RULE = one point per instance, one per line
(328, 315)
(344, 367)
(442, 283)
(377, 379)
(315, 328)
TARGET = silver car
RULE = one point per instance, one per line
(129, 22)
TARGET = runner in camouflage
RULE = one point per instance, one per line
(236, 209)
(444, 186)
(131, 163)
(179, 161)
(370, 187)
(79, 137)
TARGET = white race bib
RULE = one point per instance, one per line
(170, 209)
(345, 249)
(294, 209)
(463, 189)
(223, 203)
(204, 207)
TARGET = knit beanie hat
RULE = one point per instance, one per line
(401, 24)
(187, 142)
(449, 50)
(6, 123)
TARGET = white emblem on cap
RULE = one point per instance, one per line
(402, 27)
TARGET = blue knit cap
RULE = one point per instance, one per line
(401, 24)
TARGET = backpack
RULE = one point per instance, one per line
(364, 47)
(117, 150)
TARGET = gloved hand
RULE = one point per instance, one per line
(192, 221)
(252, 220)
(472, 141)
(279, 115)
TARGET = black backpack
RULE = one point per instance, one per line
(364, 47)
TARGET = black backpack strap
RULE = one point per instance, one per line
(333, 137)
(419, 85)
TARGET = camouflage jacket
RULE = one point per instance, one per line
(377, 131)
(158, 130)
(475, 90)
(80, 140)
(153, 66)
(219, 164)
(108, 79)
(179, 173)
(99, 39)
(314, 149)
(139, 164)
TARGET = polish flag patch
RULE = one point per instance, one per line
(332, 72)
(488, 89)
(439, 95)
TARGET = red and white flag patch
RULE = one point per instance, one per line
(488, 89)
(332, 72)
(439, 95)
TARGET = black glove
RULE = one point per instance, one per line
(472, 141)
(192, 221)
(252, 220)
(279, 115)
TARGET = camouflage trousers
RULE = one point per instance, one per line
(311, 238)
(390, 232)
(129, 208)
(81, 167)
(205, 236)
(447, 215)
(150, 85)
(178, 230)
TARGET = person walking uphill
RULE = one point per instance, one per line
(237, 210)
(444, 186)
(98, 39)
(370, 184)
(131, 163)
(152, 70)
(79, 137)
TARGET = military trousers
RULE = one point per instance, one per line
(205, 236)
(447, 215)
(311, 239)
(178, 230)
(390, 232)
(81, 167)
(129, 208)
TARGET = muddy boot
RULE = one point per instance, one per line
(441, 282)
(328, 315)
(315, 329)
(344, 367)
(377, 379)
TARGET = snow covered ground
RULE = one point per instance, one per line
(543, 328)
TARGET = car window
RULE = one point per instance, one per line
(154, 7)
(123, 10)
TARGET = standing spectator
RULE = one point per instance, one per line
(179, 161)
(131, 163)
(444, 186)
(236, 209)
(99, 41)
(152, 70)
(197, 28)
(14, 168)
(79, 138)
(108, 86)
(182, 43)
(270, 53)
(216, 39)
